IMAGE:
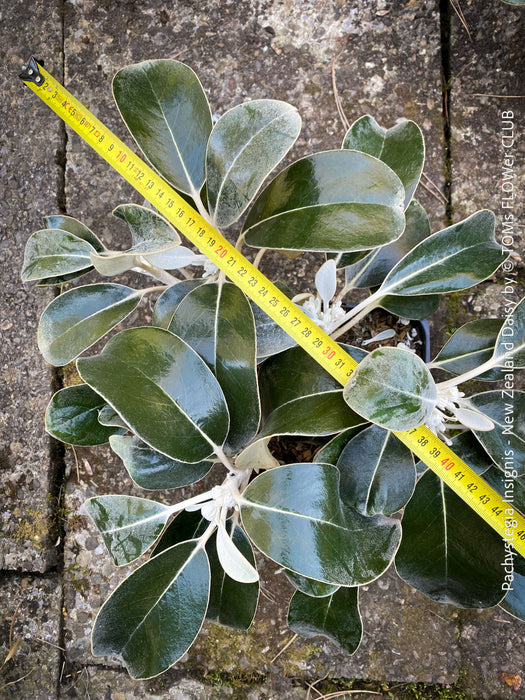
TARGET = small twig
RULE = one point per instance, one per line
(341, 693)
(337, 99)
(17, 680)
(438, 194)
(507, 97)
(461, 16)
(258, 257)
(289, 643)
(76, 463)
(44, 641)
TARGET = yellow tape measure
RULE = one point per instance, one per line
(487, 503)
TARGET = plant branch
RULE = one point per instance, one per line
(471, 374)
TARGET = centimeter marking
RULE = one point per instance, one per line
(484, 500)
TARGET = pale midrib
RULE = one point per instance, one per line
(260, 506)
(376, 467)
(161, 108)
(163, 515)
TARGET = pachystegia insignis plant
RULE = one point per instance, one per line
(213, 379)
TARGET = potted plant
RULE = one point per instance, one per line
(210, 382)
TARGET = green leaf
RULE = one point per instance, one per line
(401, 147)
(514, 601)
(180, 410)
(78, 229)
(294, 515)
(507, 440)
(509, 350)
(309, 586)
(455, 258)
(517, 3)
(54, 253)
(335, 617)
(244, 147)
(448, 552)
(168, 301)
(377, 472)
(330, 453)
(167, 112)
(151, 469)
(108, 416)
(232, 604)
(74, 226)
(331, 201)
(72, 417)
(153, 617)
(299, 397)
(469, 347)
(216, 321)
(416, 307)
(393, 388)
(151, 234)
(128, 525)
(76, 319)
(371, 270)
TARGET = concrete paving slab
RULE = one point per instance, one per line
(30, 630)
(29, 182)
(488, 74)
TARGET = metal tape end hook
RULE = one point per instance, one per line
(31, 73)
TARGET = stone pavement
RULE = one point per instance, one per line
(391, 59)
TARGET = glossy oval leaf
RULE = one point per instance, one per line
(153, 617)
(72, 417)
(455, 258)
(216, 321)
(448, 552)
(74, 226)
(509, 350)
(129, 525)
(51, 253)
(330, 201)
(167, 112)
(153, 470)
(167, 303)
(371, 270)
(309, 586)
(231, 604)
(507, 441)
(245, 145)
(108, 416)
(393, 388)
(416, 308)
(377, 472)
(181, 410)
(402, 147)
(331, 451)
(150, 233)
(299, 397)
(294, 515)
(469, 347)
(335, 617)
(76, 319)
